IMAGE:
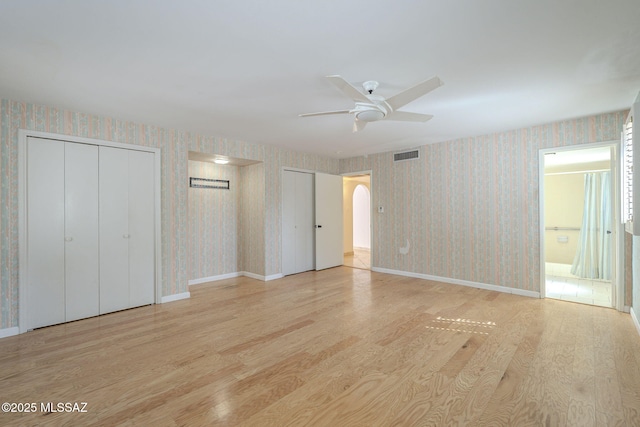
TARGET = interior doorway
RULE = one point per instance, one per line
(357, 220)
(579, 224)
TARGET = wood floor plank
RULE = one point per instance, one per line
(336, 347)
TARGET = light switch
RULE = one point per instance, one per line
(380, 209)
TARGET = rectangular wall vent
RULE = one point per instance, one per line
(222, 184)
(406, 155)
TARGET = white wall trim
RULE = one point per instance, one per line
(504, 289)
(626, 309)
(175, 297)
(261, 277)
(635, 320)
(213, 278)
(236, 274)
(9, 332)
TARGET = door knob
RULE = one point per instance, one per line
(318, 226)
(68, 239)
(126, 236)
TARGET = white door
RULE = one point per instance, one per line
(329, 239)
(81, 231)
(114, 229)
(297, 223)
(45, 237)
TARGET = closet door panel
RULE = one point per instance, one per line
(45, 237)
(141, 228)
(305, 245)
(81, 231)
(114, 229)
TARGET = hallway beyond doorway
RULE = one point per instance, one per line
(361, 258)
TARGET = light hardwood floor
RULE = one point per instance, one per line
(341, 347)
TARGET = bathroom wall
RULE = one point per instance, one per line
(563, 207)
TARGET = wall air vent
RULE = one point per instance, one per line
(222, 184)
(406, 155)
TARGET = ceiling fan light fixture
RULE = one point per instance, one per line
(370, 115)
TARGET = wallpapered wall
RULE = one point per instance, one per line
(174, 145)
(251, 233)
(213, 222)
(469, 207)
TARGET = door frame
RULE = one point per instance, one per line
(617, 280)
(23, 134)
(371, 210)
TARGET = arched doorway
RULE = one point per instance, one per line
(358, 222)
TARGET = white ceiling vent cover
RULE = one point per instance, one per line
(406, 155)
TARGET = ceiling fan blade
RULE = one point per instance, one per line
(348, 89)
(415, 92)
(405, 116)
(358, 125)
(324, 113)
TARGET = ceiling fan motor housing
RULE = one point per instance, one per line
(369, 112)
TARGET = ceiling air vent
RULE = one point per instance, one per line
(406, 155)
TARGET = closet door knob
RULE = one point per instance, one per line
(126, 236)
(68, 239)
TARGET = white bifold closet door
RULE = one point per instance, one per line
(62, 242)
(81, 231)
(126, 228)
(298, 247)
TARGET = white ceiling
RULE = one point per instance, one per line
(246, 69)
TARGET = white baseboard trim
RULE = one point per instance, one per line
(635, 320)
(626, 309)
(236, 274)
(175, 297)
(213, 278)
(504, 289)
(261, 277)
(9, 332)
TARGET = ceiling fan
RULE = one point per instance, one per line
(371, 108)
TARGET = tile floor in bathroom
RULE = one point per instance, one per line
(561, 284)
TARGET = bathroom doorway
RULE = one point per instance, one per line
(579, 218)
